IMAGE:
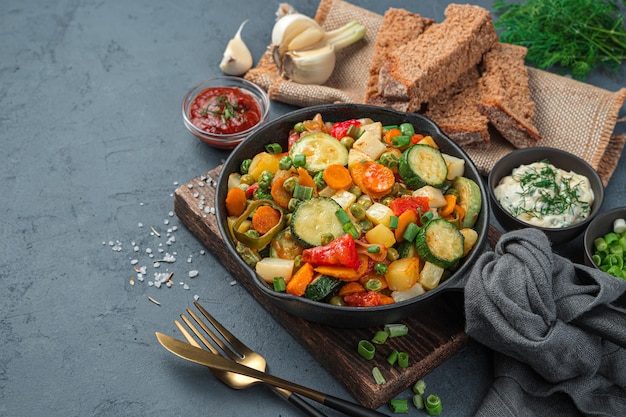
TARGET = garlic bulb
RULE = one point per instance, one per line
(237, 58)
(304, 52)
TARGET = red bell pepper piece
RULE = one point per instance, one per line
(340, 129)
(362, 299)
(341, 251)
(402, 204)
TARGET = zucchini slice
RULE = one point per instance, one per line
(321, 150)
(422, 165)
(314, 218)
(440, 242)
(322, 287)
(469, 199)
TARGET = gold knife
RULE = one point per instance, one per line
(203, 357)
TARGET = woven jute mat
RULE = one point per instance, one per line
(570, 115)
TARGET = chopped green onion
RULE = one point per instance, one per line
(279, 284)
(393, 222)
(354, 131)
(273, 148)
(433, 405)
(410, 232)
(389, 127)
(600, 244)
(407, 129)
(396, 329)
(285, 163)
(403, 360)
(302, 192)
(351, 229)
(426, 217)
(245, 165)
(619, 226)
(418, 401)
(373, 249)
(380, 337)
(299, 160)
(378, 376)
(400, 141)
(393, 357)
(419, 387)
(342, 216)
(399, 406)
(366, 349)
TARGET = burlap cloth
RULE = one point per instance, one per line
(570, 115)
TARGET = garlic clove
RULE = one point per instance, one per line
(313, 66)
(237, 59)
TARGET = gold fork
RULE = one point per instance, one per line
(239, 353)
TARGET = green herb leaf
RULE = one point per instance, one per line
(570, 36)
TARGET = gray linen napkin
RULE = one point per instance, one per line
(532, 307)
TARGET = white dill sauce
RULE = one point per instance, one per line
(542, 195)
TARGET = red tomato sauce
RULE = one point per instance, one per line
(224, 110)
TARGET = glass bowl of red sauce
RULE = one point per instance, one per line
(223, 111)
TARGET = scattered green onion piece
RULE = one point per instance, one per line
(418, 401)
(400, 141)
(433, 405)
(351, 229)
(245, 166)
(279, 284)
(407, 129)
(366, 349)
(393, 222)
(426, 217)
(398, 406)
(419, 387)
(393, 357)
(611, 237)
(342, 216)
(273, 148)
(380, 337)
(389, 127)
(597, 259)
(373, 249)
(299, 127)
(354, 131)
(410, 232)
(299, 160)
(378, 376)
(285, 163)
(302, 192)
(403, 360)
(396, 329)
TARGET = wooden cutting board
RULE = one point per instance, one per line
(435, 334)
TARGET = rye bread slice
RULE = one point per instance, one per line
(419, 69)
(398, 27)
(455, 111)
(505, 95)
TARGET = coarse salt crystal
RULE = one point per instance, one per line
(193, 273)
(134, 262)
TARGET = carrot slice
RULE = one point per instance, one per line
(279, 194)
(404, 219)
(391, 133)
(449, 207)
(378, 179)
(345, 273)
(385, 300)
(265, 218)
(351, 288)
(299, 281)
(235, 201)
(337, 176)
(306, 179)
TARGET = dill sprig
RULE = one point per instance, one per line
(223, 107)
(555, 195)
(567, 36)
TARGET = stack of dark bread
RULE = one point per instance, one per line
(455, 72)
